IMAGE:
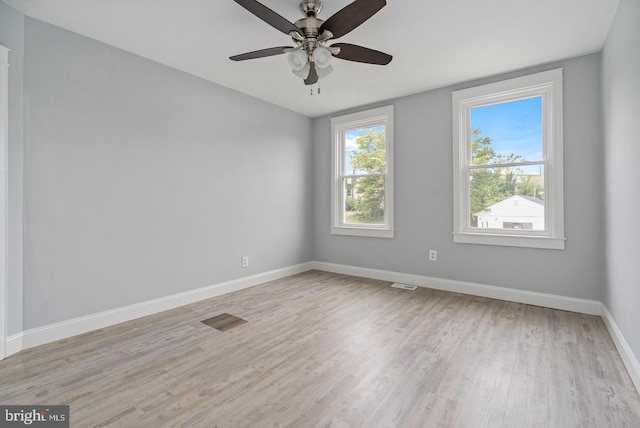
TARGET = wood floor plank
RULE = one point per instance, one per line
(328, 350)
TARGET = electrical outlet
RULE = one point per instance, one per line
(245, 261)
(433, 255)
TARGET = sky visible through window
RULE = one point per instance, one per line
(514, 127)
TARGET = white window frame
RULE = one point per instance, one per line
(339, 125)
(4, 189)
(548, 85)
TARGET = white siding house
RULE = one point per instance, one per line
(516, 212)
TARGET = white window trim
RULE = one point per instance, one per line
(548, 84)
(339, 125)
(4, 165)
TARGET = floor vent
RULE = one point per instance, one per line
(404, 286)
(224, 322)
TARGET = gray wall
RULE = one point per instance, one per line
(424, 208)
(621, 108)
(12, 36)
(142, 181)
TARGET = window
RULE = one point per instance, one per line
(362, 164)
(508, 162)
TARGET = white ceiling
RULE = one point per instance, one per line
(434, 43)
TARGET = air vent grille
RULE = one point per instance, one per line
(404, 286)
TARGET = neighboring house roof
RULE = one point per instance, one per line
(514, 205)
(532, 199)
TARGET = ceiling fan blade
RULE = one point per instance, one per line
(261, 53)
(350, 17)
(268, 16)
(313, 75)
(361, 54)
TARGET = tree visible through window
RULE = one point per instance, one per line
(364, 200)
(362, 196)
(508, 162)
(513, 166)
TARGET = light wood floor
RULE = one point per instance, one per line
(326, 350)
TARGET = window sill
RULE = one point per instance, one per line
(545, 242)
(362, 231)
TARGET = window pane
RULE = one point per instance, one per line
(507, 198)
(365, 150)
(364, 200)
(507, 132)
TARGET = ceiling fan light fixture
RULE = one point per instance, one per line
(322, 57)
(298, 60)
(324, 72)
(310, 59)
(303, 72)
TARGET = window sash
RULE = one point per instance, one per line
(373, 174)
(467, 191)
(343, 221)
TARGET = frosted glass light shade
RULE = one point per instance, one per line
(297, 60)
(324, 72)
(303, 72)
(322, 57)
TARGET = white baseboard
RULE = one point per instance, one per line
(591, 307)
(14, 344)
(628, 358)
(50, 333)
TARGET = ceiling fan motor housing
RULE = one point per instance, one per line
(310, 24)
(310, 7)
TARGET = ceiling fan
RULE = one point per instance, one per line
(310, 58)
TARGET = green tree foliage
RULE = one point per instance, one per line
(370, 158)
(531, 185)
(494, 184)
